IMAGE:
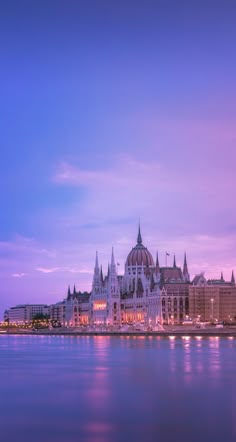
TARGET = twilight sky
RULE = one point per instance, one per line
(113, 112)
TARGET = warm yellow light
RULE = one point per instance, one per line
(99, 305)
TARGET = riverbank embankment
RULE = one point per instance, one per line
(227, 331)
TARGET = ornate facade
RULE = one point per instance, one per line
(145, 294)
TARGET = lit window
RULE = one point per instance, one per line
(99, 305)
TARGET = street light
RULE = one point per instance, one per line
(212, 304)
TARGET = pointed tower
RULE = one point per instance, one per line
(96, 276)
(185, 269)
(99, 297)
(174, 263)
(113, 264)
(96, 261)
(74, 291)
(112, 274)
(139, 238)
(68, 293)
(232, 278)
(158, 272)
(222, 277)
(157, 262)
(101, 276)
(113, 293)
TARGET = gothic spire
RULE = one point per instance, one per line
(139, 238)
(157, 261)
(101, 275)
(174, 263)
(185, 259)
(221, 277)
(68, 292)
(96, 262)
(232, 278)
(112, 257)
(96, 275)
(74, 291)
(185, 269)
(113, 264)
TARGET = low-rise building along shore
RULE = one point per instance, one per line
(25, 313)
(212, 300)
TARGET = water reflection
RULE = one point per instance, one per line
(102, 389)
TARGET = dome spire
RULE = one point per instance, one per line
(139, 238)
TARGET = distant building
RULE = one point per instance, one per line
(212, 300)
(24, 313)
(57, 312)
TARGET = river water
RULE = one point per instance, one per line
(117, 389)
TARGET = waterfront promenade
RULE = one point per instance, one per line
(167, 331)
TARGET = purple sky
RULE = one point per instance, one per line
(111, 113)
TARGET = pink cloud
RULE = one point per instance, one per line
(18, 275)
(47, 270)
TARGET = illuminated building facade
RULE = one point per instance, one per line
(130, 298)
(76, 308)
(146, 293)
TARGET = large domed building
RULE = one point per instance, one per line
(146, 293)
(139, 255)
(129, 298)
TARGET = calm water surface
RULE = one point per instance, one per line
(118, 389)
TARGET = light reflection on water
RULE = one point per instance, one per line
(102, 389)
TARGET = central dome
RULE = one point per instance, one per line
(140, 255)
